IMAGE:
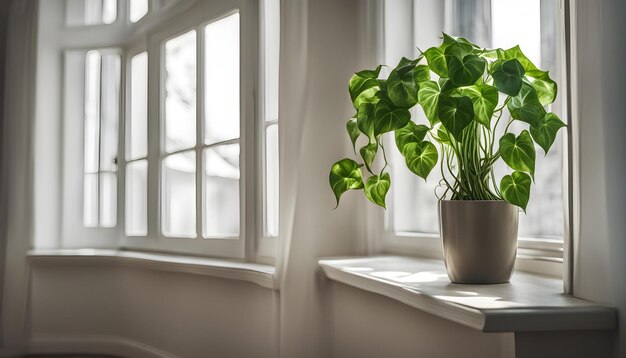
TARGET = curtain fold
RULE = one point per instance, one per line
(17, 162)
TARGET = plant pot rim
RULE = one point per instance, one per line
(474, 201)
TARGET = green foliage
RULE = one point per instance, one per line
(469, 94)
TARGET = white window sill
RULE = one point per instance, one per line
(259, 274)
(529, 303)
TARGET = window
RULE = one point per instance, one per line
(102, 83)
(413, 211)
(186, 162)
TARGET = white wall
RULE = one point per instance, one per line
(183, 315)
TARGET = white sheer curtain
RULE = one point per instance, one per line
(321, 46)
(16, 193)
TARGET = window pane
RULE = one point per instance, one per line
(90, 12)
(272, 51)
(138, 9)
(221, 93)
(180, 92)
(221, 191)
(137, 198)
(508, 17)
(109, 11)
(138, 121)
(108, 199)
(178, 197)
(271, 180)
(109, 111)
(90, 200)
(92, 111)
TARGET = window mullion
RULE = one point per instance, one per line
(199, 129)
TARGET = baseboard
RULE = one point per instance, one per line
(93, 344)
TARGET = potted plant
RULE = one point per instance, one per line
(470, 96)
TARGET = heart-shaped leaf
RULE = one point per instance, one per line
(507, 76)
(437, 61)
(345, 175)
(484, 99)
(467, 70)
(376, 188)
(544, 86)
(365, 120)
(421, 73)
(515, 189)
(526, 106)
(370, 95)
(358, 84)
(446, 85)
(420, 157)
(518, 153)
(368, 153)
(353, 131)
(411, 133)
(455, 113)
(456, 46)
(402, 89)
(428, 97)
(370, 73)
(388, 117)
(544, 132)
(516, 53)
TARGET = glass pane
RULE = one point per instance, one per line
(138, 9)
(137, 198)
(90, 12)
(92, 111)
(271, 18)
(271, 180)
(108, 199)
(109, 111)
(221, 191)
(221, 93)
(90, 200)
(508, 16)
(109, 11)
(138, 121)
(180, 92)
(178, 197)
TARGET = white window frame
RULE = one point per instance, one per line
(544, 256)
(163, 21)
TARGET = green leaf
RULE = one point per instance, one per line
(507, 76)
(402, 89)
(365, 120)
(421, 73)
(437, 61)
(370, 95)
(518, 153)
(370, 73)
(428, 97)
(516, 53)
(542, 83)
(455, 113)
(353, 132)
(420, 157)
(544, 132)
(526, 106)
(443, 136)
(359, 84)
(467, 70)
(376, 188)
(345, 175)
(445, 84)
(456, 46)
(388, 117)
(411, 133)
(515, 189)
(368, 153)
(484, 100)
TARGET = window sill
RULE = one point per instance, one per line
(529, 303)
(262, 275)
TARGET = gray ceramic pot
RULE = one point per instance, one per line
(479, 240)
